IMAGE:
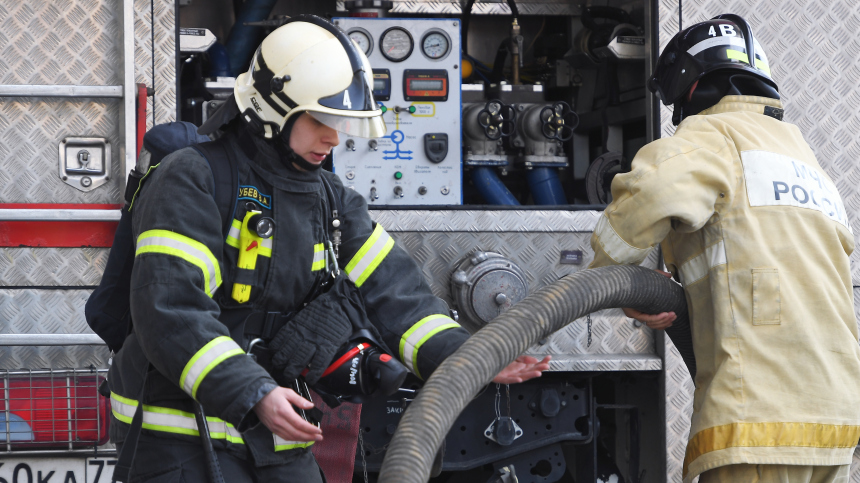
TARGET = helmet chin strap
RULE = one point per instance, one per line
(282, 144)
(717, 85)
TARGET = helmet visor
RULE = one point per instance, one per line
(362, 127)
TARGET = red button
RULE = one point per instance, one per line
(385, 357)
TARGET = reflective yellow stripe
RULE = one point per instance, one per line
(319, 257)
(738, 55)
(233, 234)
(192, 251)
(420, 333)
(757, 435)
(369, 256)
(266, 247)
(205, 360)
(233, 239)
(282, 444)
(172, 420)
(615, 246)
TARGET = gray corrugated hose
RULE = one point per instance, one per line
(459, 378)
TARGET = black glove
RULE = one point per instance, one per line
(310, 340)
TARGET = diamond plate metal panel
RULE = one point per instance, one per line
(47, 312)
(76, 43)
(815, 59)
(857, 306)
(164, 60)
(679, 410)
(500, 221)
(538, 254)
(538, 7)
(143, 50)
(855, 467)
(45, 267)
(589, 362)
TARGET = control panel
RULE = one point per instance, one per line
(416, 82)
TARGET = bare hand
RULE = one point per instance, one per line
(276, 412)
(522, 369)
(659, 321)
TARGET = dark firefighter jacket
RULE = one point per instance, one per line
(182, 282)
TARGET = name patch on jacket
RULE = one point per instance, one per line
(253, 194)
(777, 180)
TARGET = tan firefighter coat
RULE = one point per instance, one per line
(758, 235)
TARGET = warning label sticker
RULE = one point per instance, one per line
(778, 180)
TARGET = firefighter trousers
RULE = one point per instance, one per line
(160, 460)
(776, 474)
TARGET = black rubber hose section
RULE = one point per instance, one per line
(459, 378)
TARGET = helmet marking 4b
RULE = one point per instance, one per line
(723, 42)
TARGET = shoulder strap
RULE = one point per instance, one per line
(333, 219)
(225, 171)
(334, 200)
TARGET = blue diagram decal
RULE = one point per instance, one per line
(396, 137)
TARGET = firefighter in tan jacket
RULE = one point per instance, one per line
(757, 234)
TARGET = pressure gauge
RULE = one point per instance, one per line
(435, 45)
(362, 38)
(396, 44)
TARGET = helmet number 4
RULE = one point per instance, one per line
(346, 101)
(725, 30)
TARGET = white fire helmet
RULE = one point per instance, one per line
(309, 65)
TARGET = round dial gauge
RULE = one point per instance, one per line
(435, 45)
(362, 39)
(396, 44)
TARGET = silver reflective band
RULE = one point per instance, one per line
(318, 262)
(212, 354)
(172, 420)
(171, 243)
(233, 234)
(697, 267)
(717, 41)
(615, 246)
(369, 256)
(282, 444)
(420, 333)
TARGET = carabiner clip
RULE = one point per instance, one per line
(251, 347)
(331, 256)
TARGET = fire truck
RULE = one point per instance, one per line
(506, 122)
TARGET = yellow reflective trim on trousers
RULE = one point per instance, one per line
(758, 435)
(209, 356)
(420, 333)
(180, 246)
(170, 420)
(319, 257)
(371, 254)
(738, 55)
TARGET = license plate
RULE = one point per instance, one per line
(56, 470)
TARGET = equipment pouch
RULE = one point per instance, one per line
(311, 339)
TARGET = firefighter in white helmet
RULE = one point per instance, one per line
(293, 290)
(757, 234)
